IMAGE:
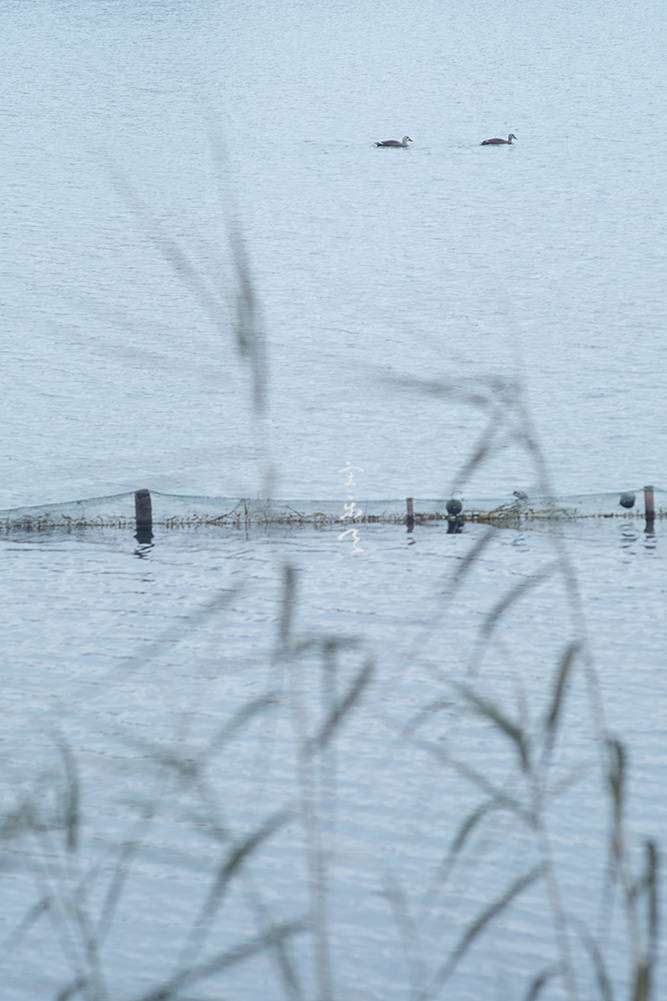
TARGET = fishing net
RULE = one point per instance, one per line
(180, 511)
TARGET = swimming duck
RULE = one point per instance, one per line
(394, 142)
(498, 142)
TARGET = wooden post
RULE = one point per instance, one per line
(649, 506)
(410, 518)
(143, 513)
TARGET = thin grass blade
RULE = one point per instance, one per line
(465, 830)
(601, 976)
(77, 988)
(515, 594)
(498, 796)
(541, 981)
(30, 918)
(342, 708)
(287, 607)
(173, 988)
(230, 864)
(475, 929)
(491, 711)
(564, 667)
(72, 797)
(247, 712)
(616, 781)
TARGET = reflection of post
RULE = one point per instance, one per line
(649, 506)
(410, 517)
(143, 513)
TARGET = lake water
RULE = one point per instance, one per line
(415, 304)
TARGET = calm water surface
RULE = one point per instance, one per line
(131, 129)
(542, 262)
(156, 653)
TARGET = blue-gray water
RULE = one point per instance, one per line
(541, 263)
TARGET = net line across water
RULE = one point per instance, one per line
(175, 511)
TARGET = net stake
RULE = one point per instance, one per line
(143, 513)
(649, 505)
(410, 517)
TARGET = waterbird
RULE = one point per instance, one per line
(394, 142)
(498, 142)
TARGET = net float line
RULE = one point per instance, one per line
(143, 509)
